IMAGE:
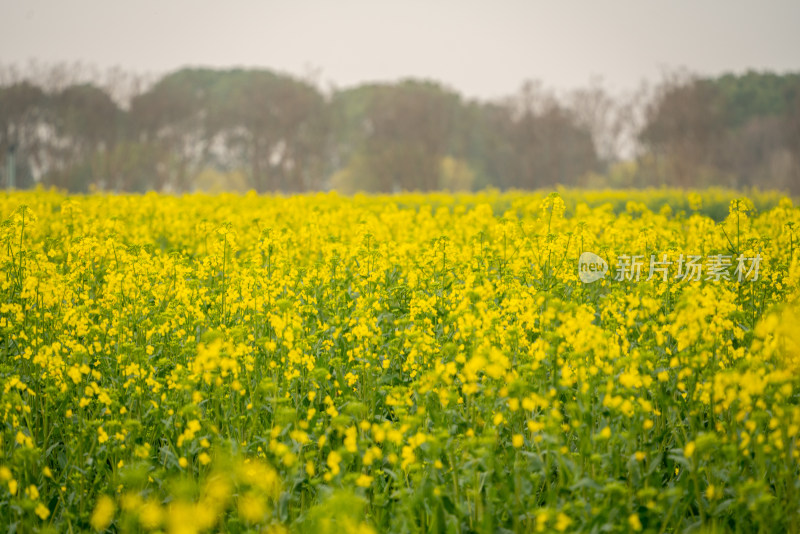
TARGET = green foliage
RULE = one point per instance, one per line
(756, 94)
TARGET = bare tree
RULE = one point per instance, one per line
(684, 126)
(604, 116)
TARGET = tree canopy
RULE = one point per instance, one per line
(275, 132)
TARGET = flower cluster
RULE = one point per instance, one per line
(399, 363)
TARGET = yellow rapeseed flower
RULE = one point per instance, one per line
(103, 513)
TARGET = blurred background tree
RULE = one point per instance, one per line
(240, 129)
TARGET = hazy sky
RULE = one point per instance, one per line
(483, 49)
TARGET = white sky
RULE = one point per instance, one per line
(482, 49)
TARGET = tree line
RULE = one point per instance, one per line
(256, 129)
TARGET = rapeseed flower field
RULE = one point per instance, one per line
(409, 363)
